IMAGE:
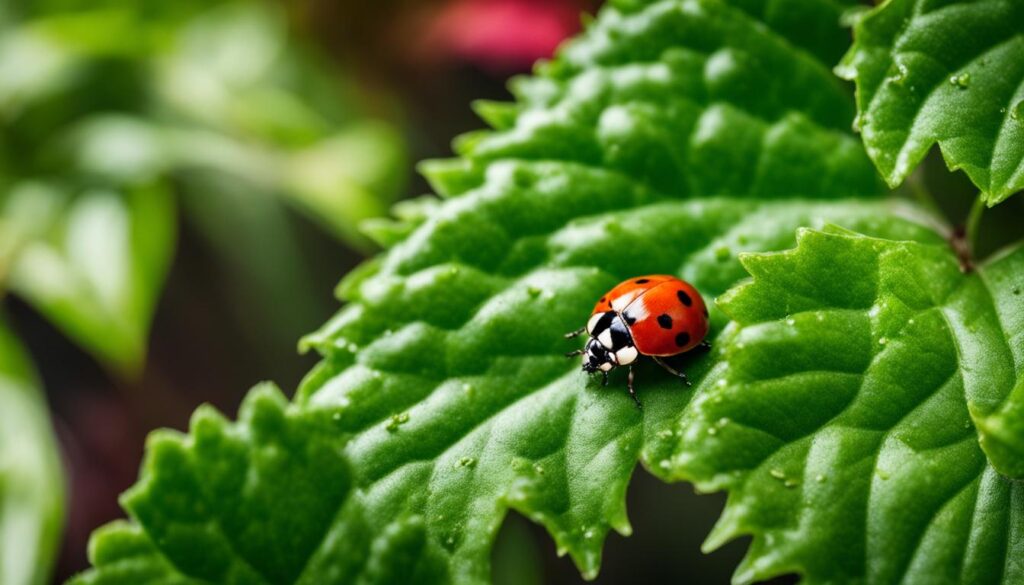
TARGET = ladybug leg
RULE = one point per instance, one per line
(705, 345)
(575, 353)
(672, 370)
(632, 392)
(576, 333)
(604, 381)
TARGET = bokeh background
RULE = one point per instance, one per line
(182, 182)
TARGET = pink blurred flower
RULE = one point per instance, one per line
(501, 36)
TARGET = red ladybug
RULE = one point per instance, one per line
(656, 316)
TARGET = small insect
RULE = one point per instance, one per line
(657, 316)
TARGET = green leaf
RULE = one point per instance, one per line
(842, 426)
(671, 137)
(31, 480)
(231, 503)
(946, 72)
(467, 408)
(93, 263)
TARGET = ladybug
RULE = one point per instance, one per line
(657, 316)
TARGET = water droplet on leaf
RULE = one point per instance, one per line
(396, 421)
(1017, 113)
(961, 80)
(897, 74)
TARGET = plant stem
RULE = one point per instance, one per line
(973, 220)
(965, 236)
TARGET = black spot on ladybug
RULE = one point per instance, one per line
(665, 321)
(684, 298)
(630, 319)
(642, 281)
(603, 299)
(683, 339)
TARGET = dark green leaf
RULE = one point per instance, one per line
(842, 426)
(946, 72)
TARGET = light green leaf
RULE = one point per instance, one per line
(93, 263)
(945, 72)
(842, 424)
(235, 71)
(672, 136)
(31, 481)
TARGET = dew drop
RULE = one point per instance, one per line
(712, 431)
(790, 322)
(898, 74)
(396, 421)
(723, 253)
(1017, 113)
(882, 341)
(858, 122)
(791, 483)
(534, 291)
(469, 462)
(589, 533)
(884, 475)
(820, 478)
(777, 474)
(665, 464)
(539, 469)
(962, 80)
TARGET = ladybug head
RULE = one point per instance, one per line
(597, 358)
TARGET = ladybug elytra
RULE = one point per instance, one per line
(657, 316)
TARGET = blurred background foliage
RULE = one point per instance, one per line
(181, 184)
